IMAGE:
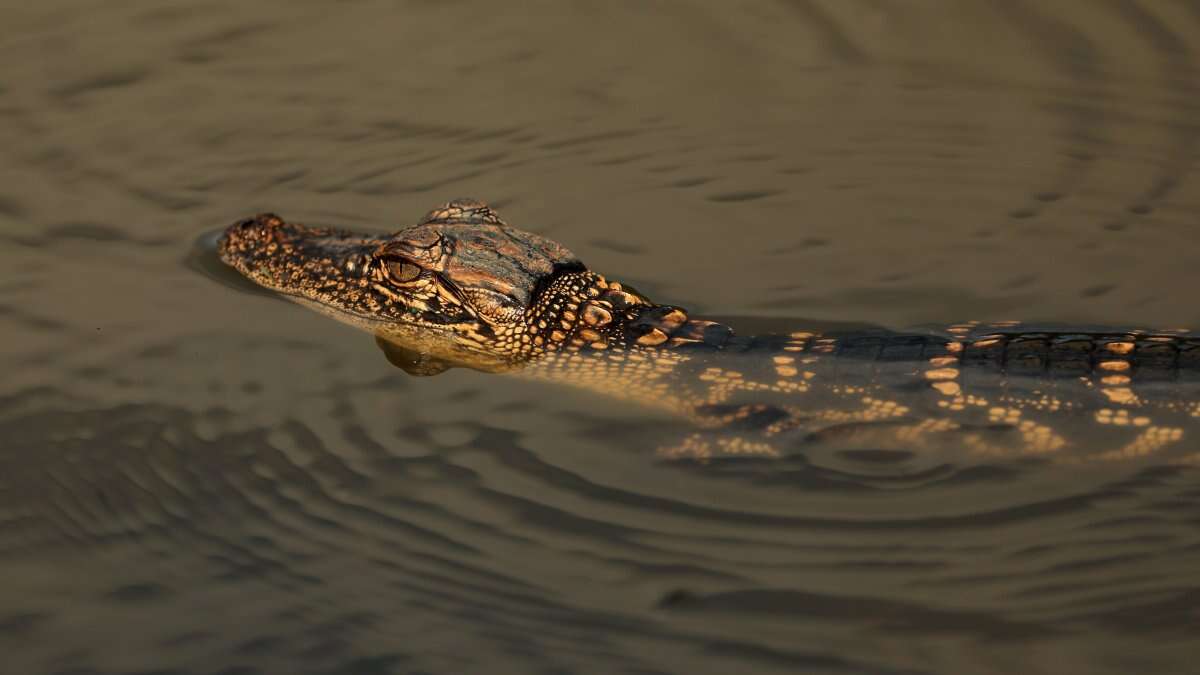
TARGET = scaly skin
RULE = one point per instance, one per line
(462, 288)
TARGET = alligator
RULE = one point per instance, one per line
(462, 288)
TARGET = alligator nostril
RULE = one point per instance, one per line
(242, 233)
(258, 226)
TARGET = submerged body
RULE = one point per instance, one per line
(462, 288)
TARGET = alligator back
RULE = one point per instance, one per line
(992, 389)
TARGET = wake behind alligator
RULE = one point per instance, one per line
(462, 288)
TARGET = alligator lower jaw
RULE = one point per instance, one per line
(423, 363)
(429, 350)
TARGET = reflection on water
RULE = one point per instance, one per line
(198, 480)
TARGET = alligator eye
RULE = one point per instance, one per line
(403, 271)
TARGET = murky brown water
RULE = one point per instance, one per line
(196, 480)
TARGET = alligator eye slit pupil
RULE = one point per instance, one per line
(403, 270)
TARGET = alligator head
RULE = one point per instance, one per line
(460, 287)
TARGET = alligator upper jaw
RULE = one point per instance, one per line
(292, 258)
(324, 268)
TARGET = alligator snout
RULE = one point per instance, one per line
(251, 231)
(291, 257)
(250, 234)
